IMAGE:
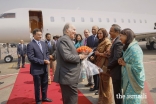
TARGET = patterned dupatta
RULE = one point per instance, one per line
(133, 72)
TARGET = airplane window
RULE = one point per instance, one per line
(82, 19)
(63, 19)
(129, 21)
(8, 15)
(134, 21)
(100, 20)
(73, 19)
(52, 19)
(91, 19)
(140, 21)
(114, 20)
(107, 19)
(122, 20)
(145, 21)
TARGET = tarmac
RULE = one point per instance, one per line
(9, 73)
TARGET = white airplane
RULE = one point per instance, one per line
(17, 24)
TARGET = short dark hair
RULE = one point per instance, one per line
(57, 36)
(117, 28)
(47, 34)
(36, 30)
(130, 37)
(54, 37)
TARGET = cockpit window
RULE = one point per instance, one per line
(8, 15)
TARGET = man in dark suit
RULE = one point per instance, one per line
(52, 55)
(68, 65)
(51, 44)
(38, 56)
(21, 52)
(113, 66)
(92, 42)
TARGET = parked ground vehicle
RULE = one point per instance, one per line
(13, 45)
(10, 45)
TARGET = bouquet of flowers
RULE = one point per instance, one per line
(86, 66)
(84, 50)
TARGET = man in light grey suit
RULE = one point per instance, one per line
(21, 52)
(68, 65)
(86, 34)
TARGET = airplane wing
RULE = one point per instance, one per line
(143, 35)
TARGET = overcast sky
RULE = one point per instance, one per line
(132, 6)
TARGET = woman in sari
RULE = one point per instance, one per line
(100, 58)
(133, 75)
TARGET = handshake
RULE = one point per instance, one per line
(82, 56)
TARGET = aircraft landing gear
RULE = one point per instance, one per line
(151, 43)
(148, 47)
(8, 58)
(151, 46)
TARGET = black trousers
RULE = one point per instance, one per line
(117, 91)
(90, 79)
(40, 81)
(96, 81)
(69, 94)
(19, 60)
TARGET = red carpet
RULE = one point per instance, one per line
(23, 91)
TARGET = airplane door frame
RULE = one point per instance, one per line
(35, 20)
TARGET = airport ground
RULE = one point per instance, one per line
(9, 73)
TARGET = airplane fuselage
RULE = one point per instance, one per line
(19, 26)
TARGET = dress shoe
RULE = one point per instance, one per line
(92, 86)
(92, 89)
(88, 85)
(1, 82)
(97, 93)
(39, 102)
(47, 100)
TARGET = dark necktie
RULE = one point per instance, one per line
(94, 37)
